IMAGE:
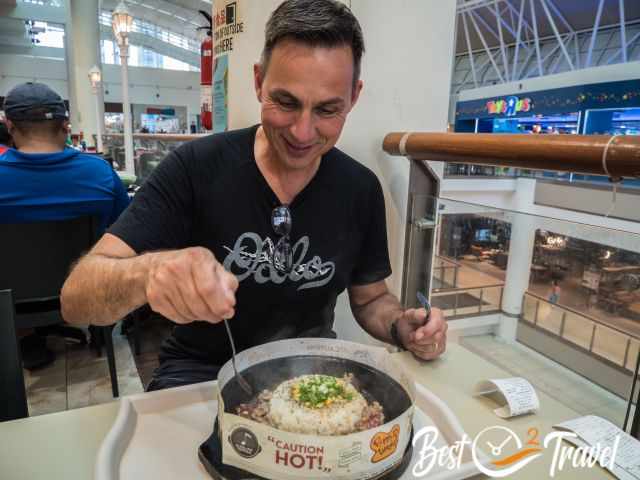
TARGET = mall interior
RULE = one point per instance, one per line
(535, 266)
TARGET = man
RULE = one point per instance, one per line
(42, 180)
(264, 226)
(5, 138)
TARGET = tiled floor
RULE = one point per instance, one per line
(473, 274)
(619, 344)
(546, 375)
(79, 378)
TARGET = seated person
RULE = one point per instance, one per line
(212, 233)
(42, 180)
(5, 138)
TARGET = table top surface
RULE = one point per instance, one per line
(65, 444)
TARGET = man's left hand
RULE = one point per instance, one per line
(425, 341)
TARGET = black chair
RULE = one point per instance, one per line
(13, 398)
(36, 259)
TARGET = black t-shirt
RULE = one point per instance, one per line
(210, 193)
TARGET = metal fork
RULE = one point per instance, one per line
(243, 383)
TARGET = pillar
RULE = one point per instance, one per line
(82, 48)
(523, 229)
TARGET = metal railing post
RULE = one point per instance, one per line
(593, 338)
(564, 317)
(455, 306)
(480, 303)
(626, 353)
(635, 423)
(535, 318)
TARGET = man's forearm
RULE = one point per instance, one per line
(377, 315)
(101, 290)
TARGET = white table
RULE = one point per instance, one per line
(64, 445)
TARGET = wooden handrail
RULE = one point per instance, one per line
(562, 153)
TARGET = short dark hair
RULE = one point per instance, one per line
(32, 128)
(5, 136)
(317, 23)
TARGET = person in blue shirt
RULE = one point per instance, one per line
(5, 138)
(41, 179)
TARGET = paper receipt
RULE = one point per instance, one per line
(518, 395)
(598, 431)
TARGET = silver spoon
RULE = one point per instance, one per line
(243, 383)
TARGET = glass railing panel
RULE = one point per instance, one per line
(468, 302)
(550, 317)
(577, 291)
(449, 279)
(445, 301)
(610, 344)
(529, 308)
(148, 151)
(491, 299)
(632, 354)
(578, 330)
(438, 278)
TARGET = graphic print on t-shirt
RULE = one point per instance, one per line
(251, 255)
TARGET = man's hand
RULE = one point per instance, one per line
(190, 284)
(425, 341)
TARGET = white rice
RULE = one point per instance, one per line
(339, 418)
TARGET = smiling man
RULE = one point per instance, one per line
(265, 226)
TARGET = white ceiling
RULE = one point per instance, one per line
(578, 14)
(179, 16)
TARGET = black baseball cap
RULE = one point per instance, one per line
(34, 102)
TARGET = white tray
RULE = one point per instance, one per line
(156, 435)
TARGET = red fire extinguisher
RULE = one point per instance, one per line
(206, 74)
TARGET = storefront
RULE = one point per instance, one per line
(600, 108)
(596, 279)
(596, 109)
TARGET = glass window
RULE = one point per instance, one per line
(49, 3)
(143, 57)
(45, 34)
(146, 28)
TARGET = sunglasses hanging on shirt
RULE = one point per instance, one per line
(281, 221)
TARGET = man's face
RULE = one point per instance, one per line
(306, 95)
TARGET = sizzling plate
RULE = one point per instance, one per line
(373, 384)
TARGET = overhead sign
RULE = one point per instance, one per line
(226, 25)
(509, 106)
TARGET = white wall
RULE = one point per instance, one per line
(609, 73)
(173, 87)
(407, 75)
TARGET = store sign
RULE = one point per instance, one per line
(226, 25)
(161, 111)
(509, 106)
